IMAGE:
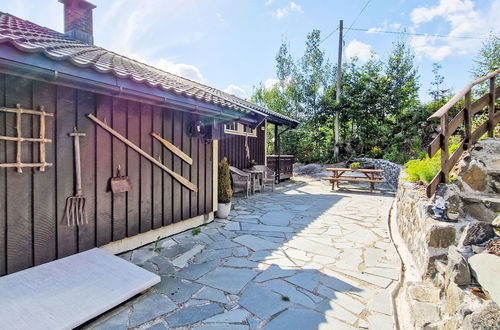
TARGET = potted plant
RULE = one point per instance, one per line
(225, 193)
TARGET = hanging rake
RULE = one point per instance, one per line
(75, 210)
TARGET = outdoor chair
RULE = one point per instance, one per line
(268, 176)
(242, 181)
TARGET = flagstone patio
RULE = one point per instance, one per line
(301, 257)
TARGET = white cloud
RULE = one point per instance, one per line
(188, 71)
(220, 18)
(236, 91)
(268, 2)
(360, 50)
(295, 7)
(290, 8)
(464, 20)
(270, 83)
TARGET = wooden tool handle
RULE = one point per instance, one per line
(173, 148)
(120, 137)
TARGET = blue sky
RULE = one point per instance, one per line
(231, 44)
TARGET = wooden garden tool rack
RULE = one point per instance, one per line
(19, 139)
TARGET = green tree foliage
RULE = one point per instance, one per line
(486, 61)
(437, 91)
(380, 113)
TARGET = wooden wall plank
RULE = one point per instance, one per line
(119, 159)
(209, 176)
(87, 105)
(19, 185)
(65, 121)
(194, 174)
(103, 173)
(157, 172)
(3, 185)
(177, 167)
(133, 169)
(202, 176)
(44, 183)
(186, 168)
(146, 169)
(168, 161)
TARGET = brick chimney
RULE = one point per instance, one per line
(78, 20)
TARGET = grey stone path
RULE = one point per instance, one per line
(302, 257)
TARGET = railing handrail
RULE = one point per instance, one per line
(457, 97)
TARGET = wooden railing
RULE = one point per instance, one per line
(283, 168)
(449, 127)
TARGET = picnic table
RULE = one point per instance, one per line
(368, 175)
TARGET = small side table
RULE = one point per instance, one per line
(256, 180)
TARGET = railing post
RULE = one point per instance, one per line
(491, 107)
(467, 120)
(444, 148)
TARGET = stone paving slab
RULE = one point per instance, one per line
(302, 257)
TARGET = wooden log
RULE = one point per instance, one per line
(467, 121)
(434, 146)
(23, 139)
(173, 148)
(480, 131)
(491, 107)
(120, 137)
(354, 180)
(19, 141)
(365, 170)
(431, 188)
(479, 104)
(444, 148)
(455, 123)
(42, 138)
(25, 165)
(26, 111)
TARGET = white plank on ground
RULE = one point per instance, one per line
(66, 293)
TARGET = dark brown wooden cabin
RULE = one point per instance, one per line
(243, 145)
(68, 77)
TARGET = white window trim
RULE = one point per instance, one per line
(240, 130)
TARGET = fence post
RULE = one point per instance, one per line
(467, 120)
(491, 107)
(444, 148)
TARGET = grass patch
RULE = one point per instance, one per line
(155, 246)
(196, 231)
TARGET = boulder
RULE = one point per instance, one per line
(476, 233)
(475, 176)
(485, 269)
(486, 317)
(441, 235)
(458, 267)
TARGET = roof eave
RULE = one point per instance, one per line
(39, 67)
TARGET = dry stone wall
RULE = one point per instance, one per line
(456, 289)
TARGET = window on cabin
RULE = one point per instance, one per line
(239, 129)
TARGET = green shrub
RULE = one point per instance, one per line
(225, 193)
(425, 169)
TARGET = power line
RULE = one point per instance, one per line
(329, 35)
(417, 34)
(359, 14)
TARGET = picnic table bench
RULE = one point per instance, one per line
(369, 175)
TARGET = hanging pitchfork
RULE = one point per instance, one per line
(75, 211)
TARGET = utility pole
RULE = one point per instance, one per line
(339, 78)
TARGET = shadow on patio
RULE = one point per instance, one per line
(299, 258)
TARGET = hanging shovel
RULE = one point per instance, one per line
(120, 183)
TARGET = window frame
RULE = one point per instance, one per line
(240, 130)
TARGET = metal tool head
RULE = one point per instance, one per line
(75, 211)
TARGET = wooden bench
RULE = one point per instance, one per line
(369, 175)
